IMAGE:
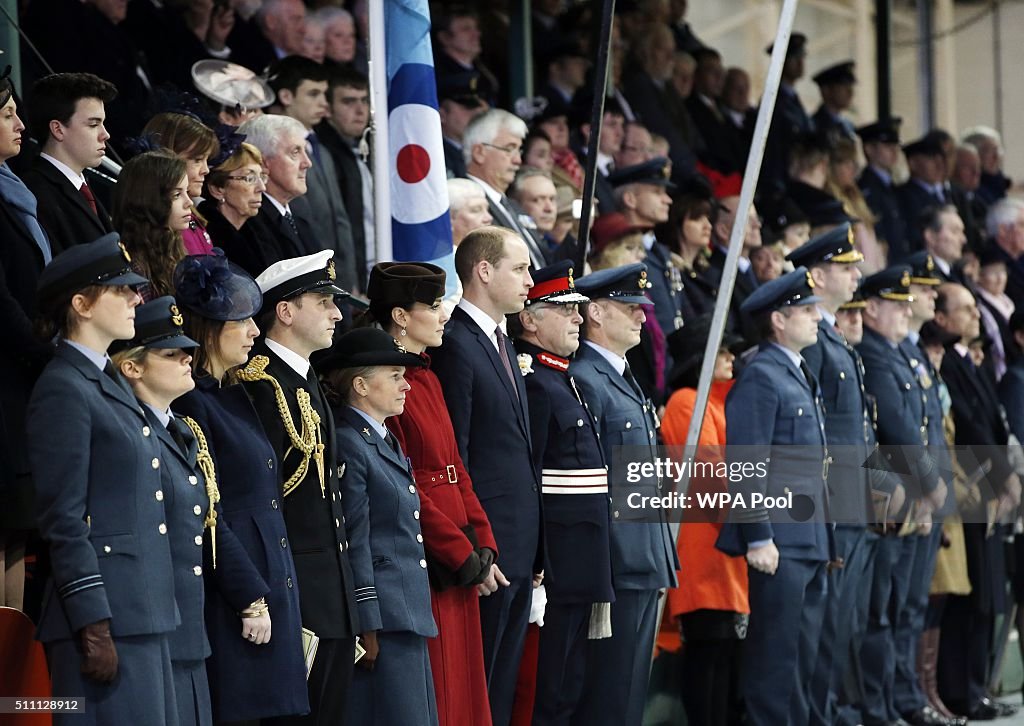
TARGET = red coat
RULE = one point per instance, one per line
(456, 655)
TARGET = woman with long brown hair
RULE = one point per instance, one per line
(151, 208)
(196, 144)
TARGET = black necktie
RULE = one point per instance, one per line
(503, 354)
(393, 443)
(175, 431)
(627, 373)
(810, 378)
(290, 220)
(113, 375)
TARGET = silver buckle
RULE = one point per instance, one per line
(453, 475)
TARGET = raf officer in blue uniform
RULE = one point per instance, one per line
(881, 143)
(891, 380)
(774, 418)
(643, 555)
(574, 482)
(640, 188)
(832, 261)
(382, 509)
(109, 606)
(156, 365)
(299, 316)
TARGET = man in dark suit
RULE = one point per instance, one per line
(774, 418)
(342, 134)
(66, 117)
(1005, 225)
(301, 88)
(483, 387)
(836, 85)
(925, 188)
(944, 239)
(299, 316)
(493, 153)
(723, 150)
(789, 120)
(566, 65)
(643, 556)
(723, 217)
(981, 436)
(457, 49)
(458, 104)
(281, 228)
(881, 142)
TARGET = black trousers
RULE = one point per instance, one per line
(709, 680)
(328, 685)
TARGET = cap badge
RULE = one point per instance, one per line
(666, 171)
(810, 280)
(905, 280)
(124, 251)
(176, 316)
(572, 283)
(330, 270)
(472, 84)
(929, 264)
(399, 347)
(849, 235)
(642, 282)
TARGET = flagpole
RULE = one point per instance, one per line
(596, 118)
(378, 67)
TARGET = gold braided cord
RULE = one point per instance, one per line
(205, 461)
(306, 443)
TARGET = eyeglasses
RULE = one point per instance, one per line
(511, 149)
(251, 178)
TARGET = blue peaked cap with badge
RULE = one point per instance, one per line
(792, 289)
(103, 262)
(654, 171)
(626, 284)
(158, 324)
(836, 246)
(892, 283)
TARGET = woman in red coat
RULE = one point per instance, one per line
(405, 300)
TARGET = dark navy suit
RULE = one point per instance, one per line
(774, 414)
(850, 434)
(96, 464)
(643, 556)
(891, 378)
(890, 225)
(248, 681)
(389, 569)
(63, 212)
(914, 199)
(490, 415)
(570, 462)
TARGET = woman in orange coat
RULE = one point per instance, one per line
(710, 605)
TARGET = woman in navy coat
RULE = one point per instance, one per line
(109, 604)
(366, 385)
(251, 674)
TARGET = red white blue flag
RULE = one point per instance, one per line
(420, 225)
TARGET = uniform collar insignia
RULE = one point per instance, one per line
(366, 432)
(553, 361)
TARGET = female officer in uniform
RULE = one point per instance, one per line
(252, 675)
(405, 300)
(156, 365)
(109, 605)
(382, 507)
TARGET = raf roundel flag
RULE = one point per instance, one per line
(420, 225)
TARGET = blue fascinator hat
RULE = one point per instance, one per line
(215, 288)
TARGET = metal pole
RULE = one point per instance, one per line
(520, 50)
(750, 176)
(596, 117)
(378, 67)
(883, 56)
(997, 65)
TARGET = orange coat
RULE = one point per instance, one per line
(708, 578)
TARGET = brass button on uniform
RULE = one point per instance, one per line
(423, 564)
(197, 570)
(416, 514)
(159, 495)
(273, 504)
(579, 422)
(162, 529)
(270, 463)
(193, 480)
(155, 463)
(145, 430)
(284, 543)
(412, 489)
(199, 540)
(197, 510)
(289, 583)
(629, 424)
(419, 537)
(106, 549)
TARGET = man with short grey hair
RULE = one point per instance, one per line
(1005, 226)
(277, 232)
(492, 146)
